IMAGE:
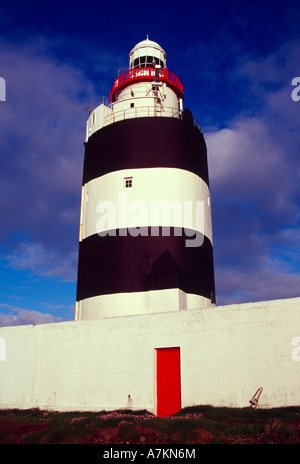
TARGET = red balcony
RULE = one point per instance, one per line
(146, 74)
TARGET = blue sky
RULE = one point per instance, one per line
(236, 60)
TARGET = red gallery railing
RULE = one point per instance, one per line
(146, 74)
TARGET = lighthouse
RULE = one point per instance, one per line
(149, 335)
(145, 240)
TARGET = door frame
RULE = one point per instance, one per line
(156, 351)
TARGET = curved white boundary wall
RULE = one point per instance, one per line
(227, 353)
(151, 301)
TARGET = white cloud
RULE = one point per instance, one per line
(43, 261)
(266, 283)
(242, 152)
(248, 165)
(14, 315)
(255, 183)
(42, 133)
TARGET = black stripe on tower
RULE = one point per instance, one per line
(118, 264)
(146, 143)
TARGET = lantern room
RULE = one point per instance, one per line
(146, 54)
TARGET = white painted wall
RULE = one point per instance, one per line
(227, 352)
(145, 104)
(99, 117)
(142, 96)
(153, 301)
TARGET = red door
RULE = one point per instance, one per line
(168, 391)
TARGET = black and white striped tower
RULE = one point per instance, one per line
(145, 241)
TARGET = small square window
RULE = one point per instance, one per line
(127, 182)
(131, 105)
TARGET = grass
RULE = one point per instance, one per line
(199, 424)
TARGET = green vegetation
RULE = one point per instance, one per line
(199, 424)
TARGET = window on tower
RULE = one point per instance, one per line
(127, 182)
(147, 61)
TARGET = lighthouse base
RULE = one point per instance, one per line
(126, 304)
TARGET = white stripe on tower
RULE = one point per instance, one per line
(147, 197)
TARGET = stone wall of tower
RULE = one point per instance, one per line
(166, 161)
